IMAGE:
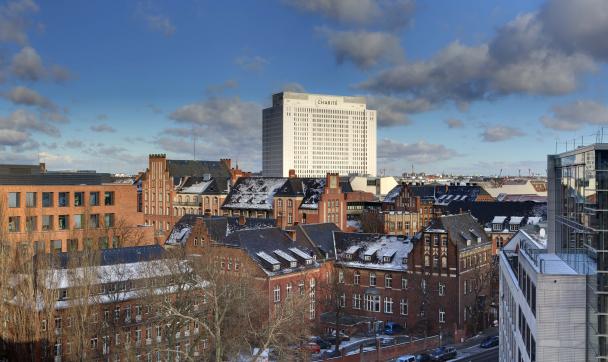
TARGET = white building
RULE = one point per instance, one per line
(314, 134)
(542, 303)
(379, 186)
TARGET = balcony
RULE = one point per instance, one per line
(187, 203)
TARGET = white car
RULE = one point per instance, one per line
(406, 358)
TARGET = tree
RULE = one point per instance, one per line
(372, 222)
(479, 281)
(333, 293)
(231, 310)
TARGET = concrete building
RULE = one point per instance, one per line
(542, 303)
(315, 134)
(378, 186)
(42, 211)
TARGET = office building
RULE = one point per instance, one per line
(316, 134)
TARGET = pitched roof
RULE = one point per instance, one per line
(253, 193)
(373, 251)
(486, 211)
(201, 186)
(218, 227)
(460, 228)
(271, 246)
(320, 237)
(217, 170)
(102, 257)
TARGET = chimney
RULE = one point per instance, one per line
(227, 162)
(242, 220)
(292, 173)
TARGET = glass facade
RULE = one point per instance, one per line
(578, 210)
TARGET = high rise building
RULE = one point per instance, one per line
(316, 134)
(578, 212)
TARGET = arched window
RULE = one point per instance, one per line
(356, 278)
(289, 203)
(444, 261)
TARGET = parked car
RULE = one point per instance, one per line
(392, 328)
(489, 342)
(387, 341)
(423, 357)
(332, 337)
(311, 347)
(331, 353)
(320, 341)
(443, 354)
(406, 358)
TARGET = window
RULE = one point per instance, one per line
(47, 222)
(341, 277)
(427, 260)
(93, 221)
(64, 223)
(435, 261)
(63, 199)
(56, 246)
(78, 221)
(94, 343)
(31, 223)
(108, 198)
(356, 278)
(372, 279)
(277, 293)
(372, 303)
(388, 280)
(108, 220)
(403, 306)
(30, 199)
(356, 301)
(288, 289)
(444, 262)
(403, 283)
(441, 315)
(342, 301)
(14, 224)
(388, 305)
(47, 199)
(72, 244)
(94, 198)
(43, 325)
(441, 289)
(14, 199)
(78, 198)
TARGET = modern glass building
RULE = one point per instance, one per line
(578, 230)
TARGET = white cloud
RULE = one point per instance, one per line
(14, 21)
(500, 133)
(420, 152)
(251, 63)
(103, 128)
(575, 115)
(154, 19)
(24, 96)
(454, 123)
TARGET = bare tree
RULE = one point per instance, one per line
(372, 222)
(333, 293)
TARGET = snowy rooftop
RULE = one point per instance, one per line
(267, 258)
(392, 194)
(313, 189)
(516, 220)
(253, 193)
(197, 188)
(499, 219)
(283, 255)
(395, 248)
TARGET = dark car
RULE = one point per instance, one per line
(332, 337)
(489, 342)
(387, 341)
(423, 357)
(443, 354)
(331, 353)
(392, 328)
(321, 342)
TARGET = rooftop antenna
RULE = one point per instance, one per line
(193, 145)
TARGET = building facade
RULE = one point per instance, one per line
(542, 304)
(314, 134)
(68, 211)
(578, 224)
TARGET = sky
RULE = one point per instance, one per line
(465, 87)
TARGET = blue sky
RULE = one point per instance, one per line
(460, 86)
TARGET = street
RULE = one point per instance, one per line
(477, 354)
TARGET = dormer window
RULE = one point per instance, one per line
(293, 264)
(404, 261)
(386, 259)
(367, 258)
(276, 267)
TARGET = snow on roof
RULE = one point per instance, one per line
(253, 193)
(516, 220)
(353, 249)
(300, 253)
(179, 236)
(372, 250)
(499, 219)
(284, 255)
(197, 188)
(392, 194)
(533, 220)
(393, 246)
(269, 259)
(313, 189)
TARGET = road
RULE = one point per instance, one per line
(477, 354)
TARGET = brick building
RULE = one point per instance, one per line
(400, 222)
(289, 201)
(64, 211)
(172, 188)
(109, 319)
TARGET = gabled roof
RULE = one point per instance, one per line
(201, 186)
(460, 228)
(319, 236)
(218, 227)
(126, 255)
(182, 168)
(310, 189)
(392, 194)
(253, 193)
